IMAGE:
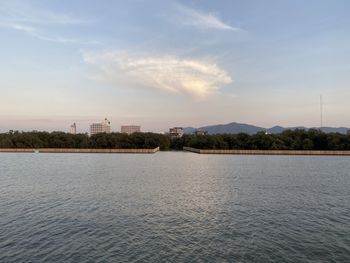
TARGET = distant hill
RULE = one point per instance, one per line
(235, 127)
(227, 128)
(343, 130)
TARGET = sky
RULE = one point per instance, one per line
(159, 63)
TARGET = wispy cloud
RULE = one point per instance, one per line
(23, 28)
(11, 12)
(45, 17)
(196, 78)
(39, 34)
(36, 22)
(192, 17)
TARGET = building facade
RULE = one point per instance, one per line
(201, 132)
(102, 127)
(176, 132)
(129, 129)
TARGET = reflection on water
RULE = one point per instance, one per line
(173, 207)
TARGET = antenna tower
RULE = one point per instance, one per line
(321, 111)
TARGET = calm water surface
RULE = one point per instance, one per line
(174, 207)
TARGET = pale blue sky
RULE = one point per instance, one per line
(169, 63)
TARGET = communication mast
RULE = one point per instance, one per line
(321, 111)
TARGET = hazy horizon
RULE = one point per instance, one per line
(173, 63)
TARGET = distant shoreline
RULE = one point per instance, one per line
(298, 140)
(185, 149)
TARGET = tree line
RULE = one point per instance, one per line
(312, 139)
(36, 140)
(288, 140)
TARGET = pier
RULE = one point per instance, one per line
(267, 152)
(74, 150)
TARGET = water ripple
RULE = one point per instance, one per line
(174, 207)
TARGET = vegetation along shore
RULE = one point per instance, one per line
(288, 140)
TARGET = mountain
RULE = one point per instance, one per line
(276, 129)
(343, 130)
(235, 127)
(189, 130)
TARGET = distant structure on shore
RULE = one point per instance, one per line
(129, 129)
(176, 132)
(102, 127)
(73, 129)
(201, 132)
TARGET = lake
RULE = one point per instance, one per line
(174, 207)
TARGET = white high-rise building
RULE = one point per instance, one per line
(102, 127)
(73, 129)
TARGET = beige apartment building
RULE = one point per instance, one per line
(129, 129)
(102, 127)
(176, 132)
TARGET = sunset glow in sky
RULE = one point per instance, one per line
(159, 63)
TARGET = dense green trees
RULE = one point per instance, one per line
(65, 140)
(288, 140)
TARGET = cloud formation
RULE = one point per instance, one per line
(11, 12)
(200, 19)
(37, 33)
(196, 78)
(35, 22)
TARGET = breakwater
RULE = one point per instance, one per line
(16, 150)
(74, 150)
(267, 152)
